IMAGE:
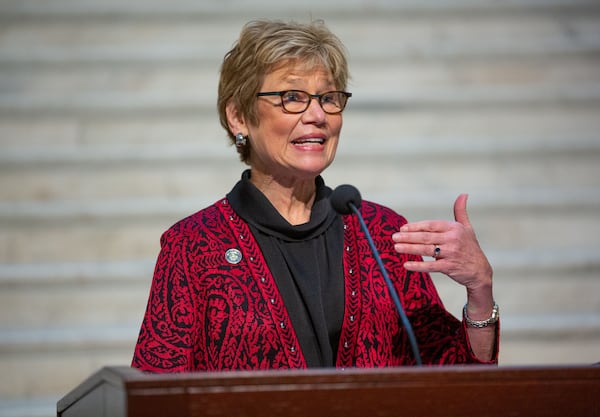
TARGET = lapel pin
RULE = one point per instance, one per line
(233, 256)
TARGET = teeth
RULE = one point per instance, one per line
(309, 140)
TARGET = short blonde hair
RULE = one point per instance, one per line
(266, 45)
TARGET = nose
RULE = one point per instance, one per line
(314, 113)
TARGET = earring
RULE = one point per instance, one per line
(240, 140)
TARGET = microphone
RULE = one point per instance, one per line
(345, 199)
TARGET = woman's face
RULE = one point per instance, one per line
(294, 146)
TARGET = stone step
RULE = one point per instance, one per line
(180, 8)
(121, 338)
(411, 172)
(549, 281)
(121, 230)
(560, 351)
(31, 407)
(353, 145)
(76, 367)
(200, 96)
(454, 83)
(485, 202)
(369, 99)
(465, 83)
(66, 139)
(61, 359)
(61, 243)
(187, 179)
(109, 134)
(18, 134)
(88, 178)
(51, 295)
(498, 129)
(513, 220)
(532, 282)
(426, 202)
(205, 38)
(78, 353)
(197, 82)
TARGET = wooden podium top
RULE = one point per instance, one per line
(429, 392)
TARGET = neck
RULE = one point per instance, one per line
(292, 198)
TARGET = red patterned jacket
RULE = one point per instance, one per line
(206, 313)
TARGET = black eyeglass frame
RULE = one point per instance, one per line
(319, 97)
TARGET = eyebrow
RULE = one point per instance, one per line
(294, 81)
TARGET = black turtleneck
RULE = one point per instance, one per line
(306, 262)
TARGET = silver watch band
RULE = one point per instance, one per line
(479, 324)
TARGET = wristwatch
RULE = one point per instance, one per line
(479, 324)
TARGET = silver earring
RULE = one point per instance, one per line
(240, 140)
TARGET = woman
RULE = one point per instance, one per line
(271, 276)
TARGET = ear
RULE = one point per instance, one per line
(235, 119)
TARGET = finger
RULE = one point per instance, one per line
(424, 266)
(460, 210)
(425, 238)
(435, 226)
(414, 249)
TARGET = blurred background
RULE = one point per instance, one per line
(109, 134)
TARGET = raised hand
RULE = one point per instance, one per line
(458, 252)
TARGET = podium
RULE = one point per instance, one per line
(465, 391)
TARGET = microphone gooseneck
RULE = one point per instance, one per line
(345, 199)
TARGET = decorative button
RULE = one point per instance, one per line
(353, 293)
(272, 301)
(241, 237)
(282, 325)
(348, 249)
(345, 226)
(346, 344)
(233, 256)
(231, 218)
(351, 318)
(351, 271)
(263, 279)
(252, 259)
(292, 349)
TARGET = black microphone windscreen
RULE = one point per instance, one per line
(342, 196)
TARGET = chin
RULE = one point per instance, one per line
(312, 171)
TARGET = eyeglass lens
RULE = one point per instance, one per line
(296, 101)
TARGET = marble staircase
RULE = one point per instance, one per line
(109, 134)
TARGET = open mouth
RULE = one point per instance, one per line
(309, 141)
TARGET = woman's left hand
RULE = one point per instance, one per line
(461, 258)
(459, 255)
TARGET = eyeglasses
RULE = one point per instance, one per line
(297, 101)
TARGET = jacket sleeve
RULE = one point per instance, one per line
(167, 332)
